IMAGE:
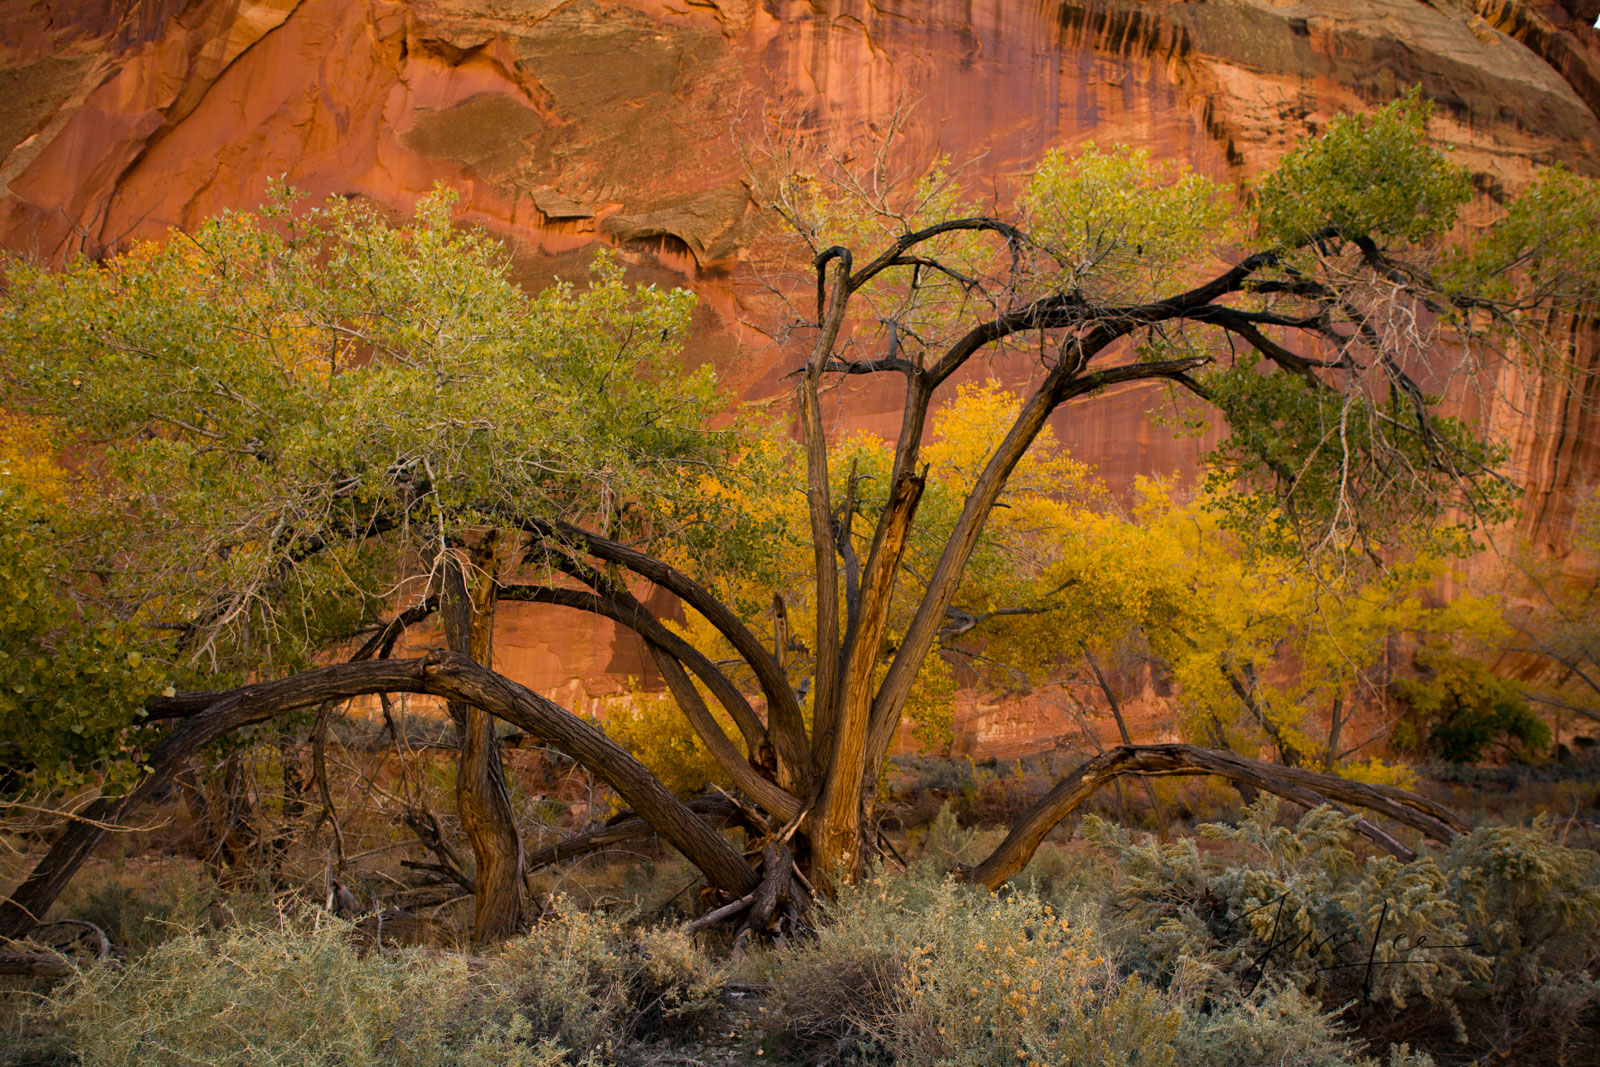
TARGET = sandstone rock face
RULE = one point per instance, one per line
(570, 124)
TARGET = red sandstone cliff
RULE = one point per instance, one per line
(569, 124)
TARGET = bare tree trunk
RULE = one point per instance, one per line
(483, 801)
(1335, 726)
(831, 308)
(836, 825)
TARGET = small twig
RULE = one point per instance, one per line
(673, 898)
(72, 816)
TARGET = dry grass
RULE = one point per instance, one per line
(236, 962)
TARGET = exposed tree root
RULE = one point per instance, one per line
(780, 903)
(777, 863)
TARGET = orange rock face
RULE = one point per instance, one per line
(569, 124)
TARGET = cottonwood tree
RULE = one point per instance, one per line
(298, 418)
(1266, 649)
(1317, 322)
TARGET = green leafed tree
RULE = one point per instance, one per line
(295, 410)
(297, 418)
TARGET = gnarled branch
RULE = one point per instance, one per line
(1307, 788)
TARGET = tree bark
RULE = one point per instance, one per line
(837, 821)
(831, 309)
(785, 724)
(483, 802)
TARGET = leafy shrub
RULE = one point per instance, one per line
(945, 843)
(1463, 710)
(590, 981)
(921, 970)
(580, 988)
(1489, 947)
(1280, 1027)
(253, 995)
(72, 684)
(1532, 908)
(1300, 910)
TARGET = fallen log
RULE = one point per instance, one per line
(1304, 787)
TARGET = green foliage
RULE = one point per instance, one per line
(73, 679)
(1369, 175)
(297, 410)
(1462, 709)
(578, 989)
(1343, 446)
(1497, 937)
(282, 420)
(1123, 227)
(1542, 250)
(1284, 472)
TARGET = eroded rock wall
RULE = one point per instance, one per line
(568, 125)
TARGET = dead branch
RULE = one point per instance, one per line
(727, 911)
(445, 674)
(319, 771)
(34, 965)
(425, 824)
(716, 811)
